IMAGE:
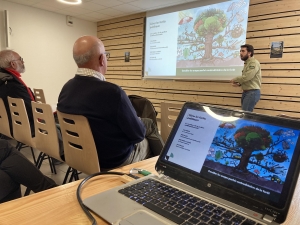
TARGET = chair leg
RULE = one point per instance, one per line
(76, 177)
(33, 156)
(40, 160)
(52, 165)
(67, 175)
(27, 192)
(18, 146)
(72, 176)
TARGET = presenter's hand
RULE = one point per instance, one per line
(235, 84)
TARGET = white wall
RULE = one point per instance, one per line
(45, 42)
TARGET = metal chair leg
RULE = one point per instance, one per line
(18, 146)
(33, 156)
(39, 160)
(52, 165)
(67, 175)
(27, 192)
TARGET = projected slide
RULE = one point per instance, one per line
(200, 43)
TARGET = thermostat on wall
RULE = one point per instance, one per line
(69, 21)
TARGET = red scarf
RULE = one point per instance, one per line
(18, 76)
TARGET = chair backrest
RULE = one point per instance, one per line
(79, 146)
(169, 114)
(39, 95)
(20, 122)
(46, 136)
(4, 123)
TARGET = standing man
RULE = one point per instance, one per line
(118, 133)
(250, 81)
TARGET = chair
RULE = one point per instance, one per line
(143, 107)
(20, 124)
(4, 123)
(39, 95)
(169, 113)
(46, 137)
(79, 146)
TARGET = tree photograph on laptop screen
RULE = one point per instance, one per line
(255, 155)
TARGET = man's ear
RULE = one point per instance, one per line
(101, 60)
(13, 65)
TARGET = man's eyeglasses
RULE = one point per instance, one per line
(21, 59)
(107, 54)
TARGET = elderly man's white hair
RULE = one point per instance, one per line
(6, 56)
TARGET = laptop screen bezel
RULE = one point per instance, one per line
(195, 180)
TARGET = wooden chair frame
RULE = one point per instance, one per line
(79, 146)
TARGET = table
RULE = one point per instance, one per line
(59, 205)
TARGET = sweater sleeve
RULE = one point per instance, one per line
(248, 73)
(128, 121)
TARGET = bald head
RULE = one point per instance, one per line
(88, 53)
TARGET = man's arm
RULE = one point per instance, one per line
(131, 125)
(248, 73)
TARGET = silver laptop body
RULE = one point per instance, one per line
(235, 161)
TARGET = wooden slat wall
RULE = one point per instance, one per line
(269, 20)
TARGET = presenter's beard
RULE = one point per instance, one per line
(244, 58)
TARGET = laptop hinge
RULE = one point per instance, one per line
(268, 218)
(160, 172)
(161, 175)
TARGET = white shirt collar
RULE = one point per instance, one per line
(90, 73)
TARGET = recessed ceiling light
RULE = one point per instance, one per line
(71, 2)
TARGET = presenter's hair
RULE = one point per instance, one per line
(6, 56)
(84, 58)
(249, 48)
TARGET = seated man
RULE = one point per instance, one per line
(15, 169)
(11, 84)
(118, 133)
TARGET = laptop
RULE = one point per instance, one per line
(218, 166)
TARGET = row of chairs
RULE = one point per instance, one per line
(79, 148)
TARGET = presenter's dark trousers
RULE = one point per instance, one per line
(249, 99)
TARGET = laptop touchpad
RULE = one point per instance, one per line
(141, 217)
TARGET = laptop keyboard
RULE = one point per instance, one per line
(180, 207)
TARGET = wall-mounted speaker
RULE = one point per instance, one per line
(6, 29)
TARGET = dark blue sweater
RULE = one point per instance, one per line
(113, 120)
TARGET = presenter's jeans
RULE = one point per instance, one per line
(249, 99)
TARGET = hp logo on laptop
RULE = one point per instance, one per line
(209, 185)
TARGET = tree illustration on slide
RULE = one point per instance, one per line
(253, 149)
(207, 25)
(250, 139)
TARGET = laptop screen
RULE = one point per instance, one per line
(248, 153)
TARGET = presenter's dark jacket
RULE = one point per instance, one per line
(251, 75)
(112, 118)
(12, 87)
